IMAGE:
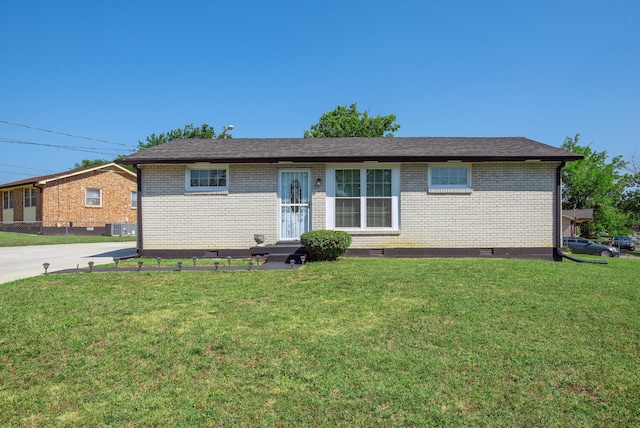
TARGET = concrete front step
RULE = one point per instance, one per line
(280, 253)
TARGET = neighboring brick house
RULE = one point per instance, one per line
(81, 200)
(398, 197)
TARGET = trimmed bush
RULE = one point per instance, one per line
(325, 245)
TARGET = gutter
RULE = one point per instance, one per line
(559, 253)
(139, 213)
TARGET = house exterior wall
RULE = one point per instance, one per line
(511, 205)
(64, 200)
(173, 218)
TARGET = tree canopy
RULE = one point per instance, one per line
(347, 121)
(189, 131)
(86, 163)
(204, 131)
(595, 183)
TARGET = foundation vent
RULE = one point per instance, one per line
(376, 252)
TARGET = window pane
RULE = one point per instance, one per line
(208, 177)
(7, 200)
(379, 212)
(348, 212)
(379, 182)
(92, 197)
(348, 183)
(449, 176)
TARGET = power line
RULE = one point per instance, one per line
(58, 146)
(65, 134)
(15, 173)
(25, 167)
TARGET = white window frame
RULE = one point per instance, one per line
(363, 167)
(134, 198)
(450, 165)
(7, 199)
(32, 196)
(87, 197)
(209, 167)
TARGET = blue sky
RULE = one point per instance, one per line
(122, 70)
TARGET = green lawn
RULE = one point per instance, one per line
(358, 342)
(10, 239)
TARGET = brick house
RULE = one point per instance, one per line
(83, 200)
(397, 197)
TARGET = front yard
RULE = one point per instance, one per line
(358, 342)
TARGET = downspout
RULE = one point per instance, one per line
(139, 213)
(558, 254)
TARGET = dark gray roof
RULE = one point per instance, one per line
(411, 149)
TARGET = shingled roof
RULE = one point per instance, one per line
(44, 179)
(411, 149)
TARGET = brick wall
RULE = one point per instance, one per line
(511, 205)
(64, 200)
(176, 219)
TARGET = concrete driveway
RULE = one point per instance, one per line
(25, 262)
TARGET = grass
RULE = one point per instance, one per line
(358, 342)
(11, 239)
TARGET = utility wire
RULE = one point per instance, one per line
(65, 134)
(79, 149)
(26, 167)
(15, 173)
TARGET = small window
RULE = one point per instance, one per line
(206, 177)
(93, 197)
(7, 200)
(134, 199)
(29, 197)
(450, 177)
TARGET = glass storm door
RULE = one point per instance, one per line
(294, 197)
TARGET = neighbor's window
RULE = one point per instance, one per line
(7, 199)
(364, 198)
(93, 197)
(134, 199)
(29, 197)
(206, 177)
(450, 177)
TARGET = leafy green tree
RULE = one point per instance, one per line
(631, 199)
(595, 183)
(204, 131)
(349, 122)
(86, 163)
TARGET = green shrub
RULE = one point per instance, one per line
(324, 245)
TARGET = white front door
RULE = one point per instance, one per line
(294, 195)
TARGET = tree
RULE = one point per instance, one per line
(204, 131)
(631, 199)
(86, 163)
(349, 122)
(189, 131)
(595, 183)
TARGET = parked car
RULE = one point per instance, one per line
(587, 246)
(624, 243)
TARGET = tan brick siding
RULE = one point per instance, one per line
(176, 219)
(64, 200)
(511, 205)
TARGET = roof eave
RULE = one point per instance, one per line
(347, 159)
